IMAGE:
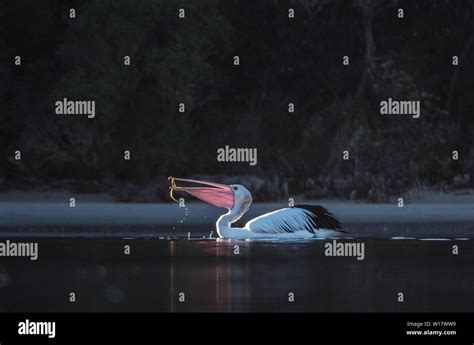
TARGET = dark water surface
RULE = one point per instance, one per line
(259, 278)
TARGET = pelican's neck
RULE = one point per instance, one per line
(223, 224)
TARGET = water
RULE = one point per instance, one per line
(259, 278)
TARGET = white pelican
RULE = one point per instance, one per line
(301, 221)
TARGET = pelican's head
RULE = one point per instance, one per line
(242, 197)
(220, 195)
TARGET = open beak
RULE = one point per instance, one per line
(216, 194)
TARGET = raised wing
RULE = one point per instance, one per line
(292, 219)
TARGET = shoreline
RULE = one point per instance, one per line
(105, 213)
(49, 214)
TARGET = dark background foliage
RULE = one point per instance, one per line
(282, 60)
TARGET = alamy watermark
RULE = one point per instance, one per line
(23, 249)
(394, 107)
(241, 154)
(345, 248)
(67, 107)
(28, 327)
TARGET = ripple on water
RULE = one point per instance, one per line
(281, 240)
(435, 239)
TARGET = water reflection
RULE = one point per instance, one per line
(238, 276)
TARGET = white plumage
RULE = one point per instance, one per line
(284, 221)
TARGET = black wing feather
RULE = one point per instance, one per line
(307, 218)
(322, 217)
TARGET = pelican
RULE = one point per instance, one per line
(298, 222)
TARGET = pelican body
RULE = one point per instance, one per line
(300, 221)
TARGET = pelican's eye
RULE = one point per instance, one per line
(235, 188)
